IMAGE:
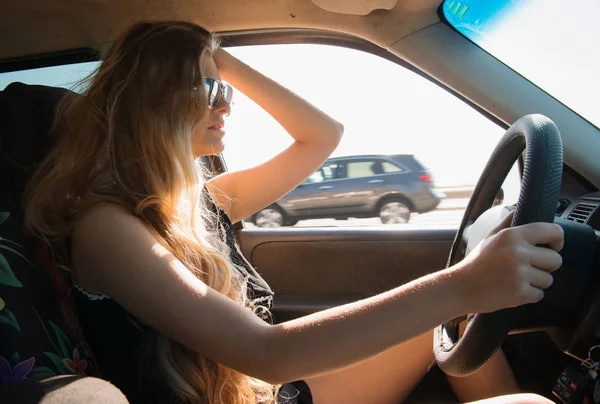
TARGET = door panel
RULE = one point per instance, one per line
(364, 184)
(313, 269)
(359, 193)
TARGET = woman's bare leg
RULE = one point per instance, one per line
(492, 380)
(386, 378)
(391, 376)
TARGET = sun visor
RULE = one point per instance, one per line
(355, 7)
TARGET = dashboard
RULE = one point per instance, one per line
(582, 210)
(579, 200)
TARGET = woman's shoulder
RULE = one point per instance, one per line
(103, 219)
(106, 224)
(103, 209)
(99, 235)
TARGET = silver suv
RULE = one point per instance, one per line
(386, 186)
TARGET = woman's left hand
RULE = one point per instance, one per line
(223, 60)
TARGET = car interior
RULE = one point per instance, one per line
(550, 347)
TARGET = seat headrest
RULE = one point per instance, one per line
(26, 117)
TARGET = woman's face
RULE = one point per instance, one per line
(208, 133)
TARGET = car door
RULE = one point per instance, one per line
(365, 183)
(316, 196)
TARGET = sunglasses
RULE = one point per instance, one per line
(217, 91)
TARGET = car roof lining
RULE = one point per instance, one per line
(30, 27)
(50, 59)
(355, 7)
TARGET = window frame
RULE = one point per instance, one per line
(68, 57)
(255, 37)
(323, 37)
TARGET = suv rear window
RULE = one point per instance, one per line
(390, 168)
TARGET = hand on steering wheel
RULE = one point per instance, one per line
(508, 269)
(518, 269)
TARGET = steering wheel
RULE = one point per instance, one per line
(539, 137)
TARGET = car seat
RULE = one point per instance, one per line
(40, 336)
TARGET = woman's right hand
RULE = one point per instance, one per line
(509, 267)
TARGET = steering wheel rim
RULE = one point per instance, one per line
(539, 137)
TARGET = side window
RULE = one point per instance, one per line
(441, 142)
(330, 171)
(317, 176)
(358, 169)
(390, 168)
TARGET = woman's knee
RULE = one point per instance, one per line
(523, 398)
(530, 398)
(62, 390)
(90, 389)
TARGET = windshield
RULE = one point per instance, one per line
(552, 43)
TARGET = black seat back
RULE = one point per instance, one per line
(40, 334)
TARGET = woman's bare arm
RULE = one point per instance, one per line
(115, 254)
(315, 135)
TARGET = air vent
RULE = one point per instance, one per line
(581, 212)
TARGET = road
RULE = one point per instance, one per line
(449, 212)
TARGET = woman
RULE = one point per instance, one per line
(168, 304)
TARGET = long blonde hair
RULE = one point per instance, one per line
(133, 125)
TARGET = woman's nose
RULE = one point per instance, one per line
(223, 108)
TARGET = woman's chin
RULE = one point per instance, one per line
(218, 147)
(208, 150)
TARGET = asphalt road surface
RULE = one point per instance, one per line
(449, 212)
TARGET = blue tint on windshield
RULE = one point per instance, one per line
(552, 43)
(475, 18)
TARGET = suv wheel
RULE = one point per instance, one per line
(394, 211)
(269, 217)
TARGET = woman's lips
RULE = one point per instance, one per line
(217, 125)
(217, 128)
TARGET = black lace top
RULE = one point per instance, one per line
(119, 342)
